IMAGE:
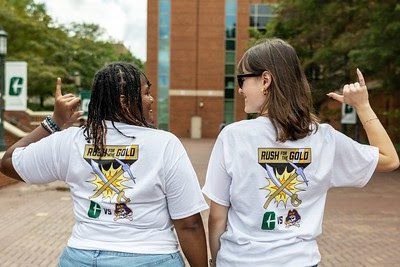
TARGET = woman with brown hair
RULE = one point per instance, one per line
(268, 177)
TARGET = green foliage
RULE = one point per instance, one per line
(56, 51)
(332, 38)
(38, 107)
(397, 146)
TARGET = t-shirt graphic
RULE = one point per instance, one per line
(126, 200)
(276, 192)
(286, 179)
(111, 174)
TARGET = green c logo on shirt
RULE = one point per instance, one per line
(268, 222)
(94, 210)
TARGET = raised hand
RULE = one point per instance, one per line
(65, 107)
(354, 94)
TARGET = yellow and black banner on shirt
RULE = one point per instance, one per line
(126, 153)
(279, 157)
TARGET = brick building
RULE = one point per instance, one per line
(192, 50)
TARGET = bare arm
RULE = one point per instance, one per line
(216, 227)
(192, 239)
(64, 113)
(356, 95)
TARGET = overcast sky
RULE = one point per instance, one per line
(123, 20)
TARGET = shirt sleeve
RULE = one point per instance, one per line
(218, 181)
(184, 197)
(353, 163)
(42, 162)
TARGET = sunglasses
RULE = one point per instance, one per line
(241, 77)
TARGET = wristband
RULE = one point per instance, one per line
(49, 125)
(44, 125)
(52, 124)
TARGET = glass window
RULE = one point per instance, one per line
(229, 93)
(163, 81)
(252, 22)
(163, 44)
(163, 68)
(163, 56)
(165, 6)
(264, 9)
(163, 64)
(229, 82)
(262, 21)
(163, 31)
(252, 9)
(262, 15)
(163, 113)
(230, 57)
(230, 22)
(230, 45)
(164, 20)
(229, 69)
(230, 33)
(163, 93)
(163, 105)
(230, 63)
(230, 7)
(229, 112)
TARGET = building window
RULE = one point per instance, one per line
(260, 16)
(229, 82)
(163, 59)
(230, 55)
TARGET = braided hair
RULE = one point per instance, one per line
(109, 84)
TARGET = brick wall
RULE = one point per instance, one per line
(19, 119)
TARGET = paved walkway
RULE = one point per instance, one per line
(361, 226)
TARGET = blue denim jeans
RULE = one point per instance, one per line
(72, 257)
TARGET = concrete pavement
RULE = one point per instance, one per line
(361, 226)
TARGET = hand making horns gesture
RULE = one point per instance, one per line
(65, 107)
(354, 94)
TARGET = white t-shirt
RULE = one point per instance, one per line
(276, 191)
(126, 200)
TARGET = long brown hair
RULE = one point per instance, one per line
(289, 102)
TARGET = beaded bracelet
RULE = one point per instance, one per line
(44, 125)
(49, 125)
(52, 124)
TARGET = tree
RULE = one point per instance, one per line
(54, 50)
(332, 38)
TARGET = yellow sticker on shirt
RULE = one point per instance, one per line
(284, 155)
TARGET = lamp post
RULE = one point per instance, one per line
(3, 53)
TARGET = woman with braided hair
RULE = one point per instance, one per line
(131, 184)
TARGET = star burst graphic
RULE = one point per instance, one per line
(292, 186)
(108, 193)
